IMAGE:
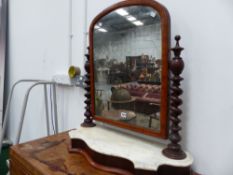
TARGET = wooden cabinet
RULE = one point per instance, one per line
(49, 156)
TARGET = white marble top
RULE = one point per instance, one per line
(144, 154)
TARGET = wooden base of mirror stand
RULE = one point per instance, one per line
(116, 165)
(88, 123)
(123, 154)
(35, 158)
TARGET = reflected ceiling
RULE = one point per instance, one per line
(146, 15)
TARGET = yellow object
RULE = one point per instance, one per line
(74, 71)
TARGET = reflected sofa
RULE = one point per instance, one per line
(147, 96)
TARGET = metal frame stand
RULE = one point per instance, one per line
(22, 117)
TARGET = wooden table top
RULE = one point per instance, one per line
(50, 155)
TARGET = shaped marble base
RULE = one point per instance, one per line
(140, 153)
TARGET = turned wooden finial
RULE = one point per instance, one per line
(174, 150)
(88, 121)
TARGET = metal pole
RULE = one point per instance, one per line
(6, 115)
(24, 109)
(46, 108)
(55, 108)
(37, 82)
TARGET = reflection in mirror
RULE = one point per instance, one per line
(127, 66)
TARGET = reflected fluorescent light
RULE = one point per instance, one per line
(122, 12)
(153, 14)
(97, 27)
(138, 23)
(102, 30)
(131, 18)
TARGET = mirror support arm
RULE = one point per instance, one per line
(174, 150)
(88, 121)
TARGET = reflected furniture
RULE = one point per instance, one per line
(144, 95)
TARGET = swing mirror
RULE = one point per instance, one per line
(129, 52)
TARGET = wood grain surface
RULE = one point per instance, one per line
(49, 156)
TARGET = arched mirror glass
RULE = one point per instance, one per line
(129, 67)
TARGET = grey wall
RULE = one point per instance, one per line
(137, 41)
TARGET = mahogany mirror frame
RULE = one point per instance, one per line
(165, 31)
